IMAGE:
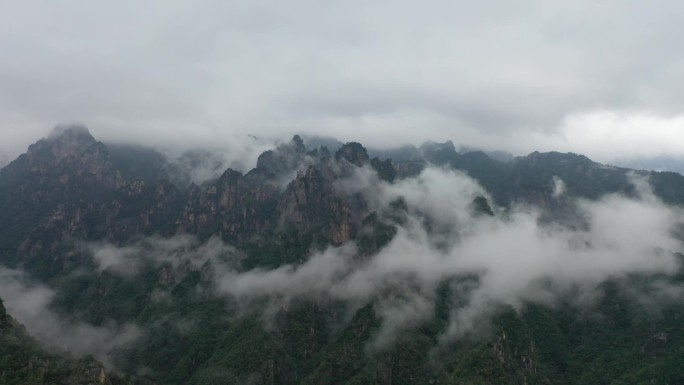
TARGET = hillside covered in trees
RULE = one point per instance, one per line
(423, 265)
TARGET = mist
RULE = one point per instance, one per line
(30, 303)
(516, 258)
(181, 252)
(199, 162)
(513, 258)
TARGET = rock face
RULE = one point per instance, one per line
(69, 152)
(63, 181)
(353, 153)
(312, 204)
(75, 192)
(241, 206)
(66, 188)
(4, 318)
(87, 371)
(140, 207)
(67, 191)
(236, 206)
(285, 158)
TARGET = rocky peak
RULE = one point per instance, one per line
(3, 312)
(298, 144)
(69, 153)
(62, 142)
(230, 175)
(435, 146)
(353, 153)
(313, 205)
(320, 154)
(556, 158)
(285, 158)
(438, 153)
(53, 177)
(69, 130)
(66, 140)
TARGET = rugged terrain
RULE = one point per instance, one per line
(326, 266)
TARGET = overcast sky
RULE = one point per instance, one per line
(603, 78)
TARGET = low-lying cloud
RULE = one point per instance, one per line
(182, 251)
(30, 303)
(512, 258)
(200, 165)
(515, 257)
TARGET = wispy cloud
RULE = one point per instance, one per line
(510, 259)
(31, 304)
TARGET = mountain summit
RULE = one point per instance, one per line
(439, 267)
(70, 129)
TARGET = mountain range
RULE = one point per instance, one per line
(328, 263)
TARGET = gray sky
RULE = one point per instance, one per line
(603, 78)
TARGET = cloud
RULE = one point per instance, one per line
(202, 164)
(30, 303)
(514, 258)
(558, 187)
(613, 136)
(184, 252)
(183, 74)
(511, 259)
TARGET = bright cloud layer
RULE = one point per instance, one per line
(519, 77)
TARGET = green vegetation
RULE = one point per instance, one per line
(192, 332)
(24, 362)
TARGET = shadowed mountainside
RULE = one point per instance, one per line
(73, 208)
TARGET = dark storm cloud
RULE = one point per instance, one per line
(495, 74)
